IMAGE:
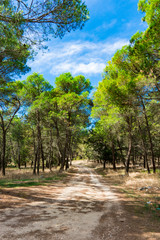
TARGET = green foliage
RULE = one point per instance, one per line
(67, 83)
(33, 86)
(45, 18)
(13, 52)
(129, 90)
(9, 103)
(126, 102)
(24, 24)
(151, 9)
(97, 143)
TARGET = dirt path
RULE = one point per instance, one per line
(82, 209)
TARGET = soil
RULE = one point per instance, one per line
(82, 208)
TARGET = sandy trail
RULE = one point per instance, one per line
(82, 209)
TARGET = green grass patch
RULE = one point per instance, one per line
(6, 183)
(129, 193)
(151, 171)
(24, 184)
(55, 177)
(14, 183)
(101, 171)
(154, 208)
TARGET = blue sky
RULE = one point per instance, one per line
(86, 51)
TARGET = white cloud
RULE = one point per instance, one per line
(110, 48)
(77, 57)
(106, 26)
(90, 68)
(76, 68)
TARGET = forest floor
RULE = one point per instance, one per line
(81, 205)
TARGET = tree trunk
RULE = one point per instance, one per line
(122, 157)
(42, 155)
(12, 148)
(128, 156)
(113, 156)
(38, 141)
(62, 164)
(71, 157)
(47, 163)
(149, 135)
(65, 152)
(35, 163)
(67, 164)
(158, 162)
(51, 150)
(19, 157)
(61, 159)
(144, 161)
(104, 164)
(3, 152)
(147, 165)
(50, 164)
(4, 132)
(129, 121)
(0, 162)
(133, 158)
(38, 161)
(145, 149)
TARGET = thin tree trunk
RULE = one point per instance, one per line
(12, 148)
(133, 158)
(59, 145)
(50, 164)
(38, 141)
(67, 164)
(113, 156)
(38, 160)
(42, 155)
(129, 121)
(128, 156)
(4, 132)
(3, 152)
(149, 135)
(51, 151)
(0, 162)
(147, 165)
(158, 162)
(47, 163)
(35, 162)
(62, 163)
(144, 161)
(71, 157)
(104, 164)
(144, 147)
(19, 157)
(65, 152)
(122, 157)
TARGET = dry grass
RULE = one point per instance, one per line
(25, 173)
(140, 188)
(25, 178)
(137, 180)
